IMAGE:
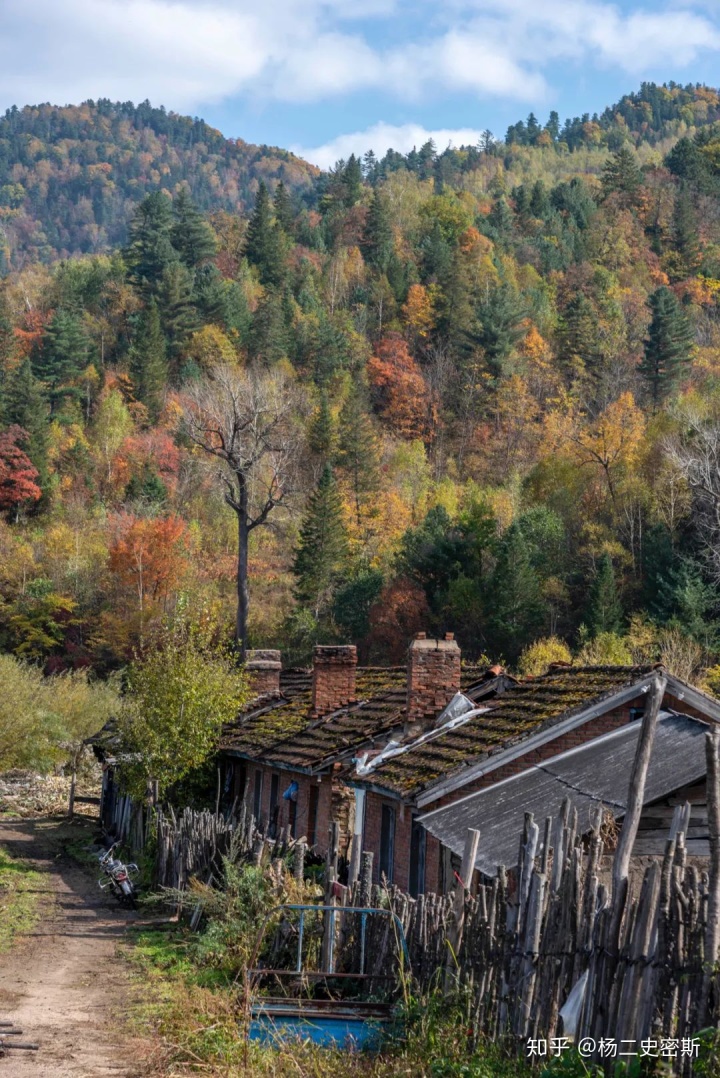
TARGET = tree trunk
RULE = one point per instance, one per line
(243, 598)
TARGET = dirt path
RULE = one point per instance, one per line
(63, 984)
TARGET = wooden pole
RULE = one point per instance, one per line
(638, 778)
(457, 916)
(712, 929)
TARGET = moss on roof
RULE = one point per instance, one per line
(523, 709)
(284, 730)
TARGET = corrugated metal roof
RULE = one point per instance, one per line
(597, 773)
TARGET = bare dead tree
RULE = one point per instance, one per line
(247, 420)
(696, 455)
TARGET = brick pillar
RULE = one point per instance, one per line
(333, 682)
(264, 668)
(433, 680)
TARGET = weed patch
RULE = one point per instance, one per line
(19, 898)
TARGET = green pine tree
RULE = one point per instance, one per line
(686, 237)
(604, 610)
(282, 206)
(622, 176)
(269, 334)
(378, 239)
(669, 345)
(148, 361)
(516, 612)
(263, 241)
(321, 431)
(178, 315)
(322, 551)
(62, 354)
(149, 250)
(358, 454)
(191, 235)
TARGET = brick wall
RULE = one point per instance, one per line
(302, 818)
(433, 678)
(333, 684)
(263, 667)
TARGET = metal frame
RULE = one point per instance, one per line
(331, 911)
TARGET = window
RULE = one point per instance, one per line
(257, 796)
(417, 859)
(240, 781)
(387, 842)
(293, 817)
(636, 713)
(313, 801)
(274, 807)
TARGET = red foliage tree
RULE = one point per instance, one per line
(399, 390)
(17, 471)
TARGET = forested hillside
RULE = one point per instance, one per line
(71, 177)
(483, 387)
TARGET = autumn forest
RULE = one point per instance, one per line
(471, 389)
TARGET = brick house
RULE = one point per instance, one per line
(287, 754)
(376, 748)
(443, 759)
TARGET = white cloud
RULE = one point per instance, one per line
(382, 137)
(188, 53)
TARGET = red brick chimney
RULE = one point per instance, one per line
(433, 680)
(333, 682)
(264, 666)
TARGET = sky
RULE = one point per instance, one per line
(326, 78)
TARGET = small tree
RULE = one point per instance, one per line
(245, 420)
(322, 553)
(178, 697)
(605, 613)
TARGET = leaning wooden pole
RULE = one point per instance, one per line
(638, 779)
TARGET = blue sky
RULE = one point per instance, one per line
(328, 77)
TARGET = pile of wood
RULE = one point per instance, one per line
(9, 1042)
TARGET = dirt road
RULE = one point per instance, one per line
(63, 984)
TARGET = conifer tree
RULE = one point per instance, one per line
(61, 356)
(191, 235)
(177, 311)
(352, 181)
(668, 347)
(282, 206)
(604, 612)
(148, 361)
(516, 612)
(358, 454)
(25, 405)
(263, 247)
(149, 250)
(622, 176)
(321, 432)
(686, 239)
(322, 551)
(269, 334)
(378, 238)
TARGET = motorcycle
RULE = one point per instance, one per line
(118, 877)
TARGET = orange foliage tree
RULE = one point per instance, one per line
(399, 390)
(149, 556)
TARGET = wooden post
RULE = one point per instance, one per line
(712, 929)
(71, 804)
(457, 917)
(638, 778)
(331, 863)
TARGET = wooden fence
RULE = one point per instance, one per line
(638, 955)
